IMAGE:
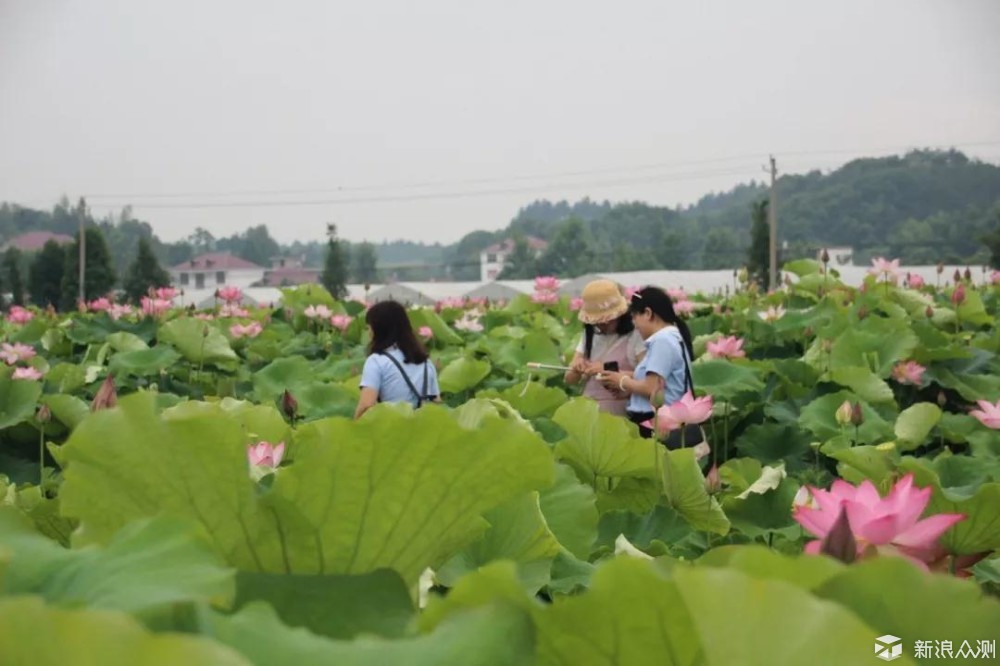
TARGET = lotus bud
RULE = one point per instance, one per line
(824, 256)
(808, 332)
(968, 274)
(857, 416)
(929, 312)
(957, 277)
(940, 268)
(44, 414)
(942, 399)
(862, 312)
(204, 332)
(843, 414)
(106, 397)
(713, 483)
(958, 295)
(839, 542)
(743, 275)
(289, 405)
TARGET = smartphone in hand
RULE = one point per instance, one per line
(611, 366)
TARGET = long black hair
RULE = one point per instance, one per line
(659, 302)
(391, 326)
(623, 326)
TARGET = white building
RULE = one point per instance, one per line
(214, 270)
(493, 259)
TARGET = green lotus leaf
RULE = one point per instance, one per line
(290, 373)
(332, 606)
(773, 442)
(143, 362)
(67, 409)
(724, 380)
(599, 444)
(570, 513)
(443, 333)
(532, 400)
(875, 343)
(759, 562)
(198, 341)
(124, 341)
(866, 384)
(535, 347)
(463, 374)
(915, 424)
(819, 417)
(148, 564)
(34, 633)
(684, 488)
(18, 398)
(661, 523)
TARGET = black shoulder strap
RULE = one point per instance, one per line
(688, 379)
(406, 378)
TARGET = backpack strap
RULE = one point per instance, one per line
(406, 378)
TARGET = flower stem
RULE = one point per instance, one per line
(41, 460)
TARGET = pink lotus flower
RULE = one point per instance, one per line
(341, 321)
(26, 373)
(251, 330)
(116, 311)
(12, 353)
(575, 303)
(19, 315)
(318, 312)
(166, 293)
(546, 283)
(686, 411)
(888, 526)
(772, 314)
(727, 347)
(99, 305)
(545, 297)
(205, 316)
(233, 310)
(451, 302)
(684, 307)
(677, 295)
(881, 267)
(264, 458)
(425, 332)
(910, 372)
(470, 324)
(989, 414)
(843, 413)
(995, 277)
(230, 294)
(631, 291)
(154, 307)
(914, 281)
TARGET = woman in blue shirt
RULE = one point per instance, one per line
(663, 368)
(398, 368)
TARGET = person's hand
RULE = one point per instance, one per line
(610, 379)
(580, 366)
(594, 369)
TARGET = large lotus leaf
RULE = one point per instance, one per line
(333, 606)
(724, 380)
(18, 398)
(532, 400)
(316, 400)
(290, 373)
(819, 417)
(302, 296)
(875, 343)
(143, 362)
(972, 310)
(39, 635)
(915, 424)
(599, 444)
(31, 332)
(491, 636)
(67, 409)
(518, 533)
(802, 267)
(631, 493)
(798, 377)
(980, 531)
(964, 428)
(570, 513)
(124, 341)
(463, 374)
(471, 413)
(661, 523)
(774, 442)
(684, 488)
(198, 342)
(679, 622)
(805, 571)
(866, 384)
(148, 564)
(969, 386)
(757, 513)
(935, 345)
(398, 489)
(535, 347)
(895, 597)
(858, 463)
(443, 333)
(257, 422)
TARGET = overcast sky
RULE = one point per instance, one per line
(426, 120)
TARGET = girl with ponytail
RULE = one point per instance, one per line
(669, 350)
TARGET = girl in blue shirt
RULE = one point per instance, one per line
(398, 368)
(668, 346)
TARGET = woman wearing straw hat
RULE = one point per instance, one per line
(610, 342)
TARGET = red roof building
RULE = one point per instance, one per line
(216, 269)
(33, 241)
(217, 261)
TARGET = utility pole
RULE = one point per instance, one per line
(80, 211)
(772, 220)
